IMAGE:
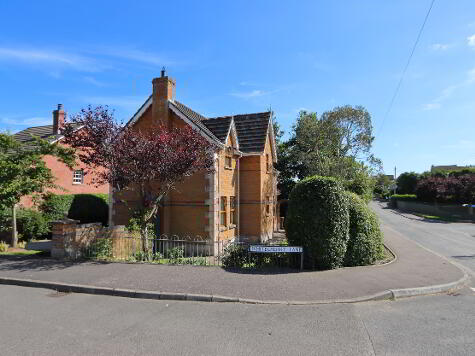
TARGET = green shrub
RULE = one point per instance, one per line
(3, 246)
(407, 183)
(101, 248)
(362, 184)
(32, 224)
(235, 256)
(318, 220)
(365, 244)
(86, 208)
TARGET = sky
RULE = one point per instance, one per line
(232, 57)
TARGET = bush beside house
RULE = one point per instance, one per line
(365, 244)
(87, 208)
(318, 220)
(35, 223)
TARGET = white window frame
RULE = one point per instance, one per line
(78, 176)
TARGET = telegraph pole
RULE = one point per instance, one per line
(395, 180)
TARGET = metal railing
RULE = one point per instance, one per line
(190, 250)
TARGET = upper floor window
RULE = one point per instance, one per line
(268, 205)
(228, 159)
(268, 163)
(78, 176)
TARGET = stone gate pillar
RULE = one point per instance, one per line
(64, 233)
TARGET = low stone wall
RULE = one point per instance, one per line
(444, 210)
(71, 240)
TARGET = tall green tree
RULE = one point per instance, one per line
(334, 144)
(23, 171)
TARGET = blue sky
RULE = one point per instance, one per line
(245, 56)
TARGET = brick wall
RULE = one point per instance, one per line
(64, 179)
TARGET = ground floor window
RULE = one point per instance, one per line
(232, 210)
(223, 211)
(268, 205)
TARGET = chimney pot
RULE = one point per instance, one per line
(163, 71)
(60, 106)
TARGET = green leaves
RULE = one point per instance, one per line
(333, 144)
(22, 169)
(318, 220)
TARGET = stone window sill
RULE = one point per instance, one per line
(225, 228)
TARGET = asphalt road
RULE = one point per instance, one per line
(41, 322)
(455, 241)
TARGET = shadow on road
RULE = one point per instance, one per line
(30, 263)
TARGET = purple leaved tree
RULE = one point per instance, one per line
(149, 162)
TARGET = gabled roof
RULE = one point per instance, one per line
(193, 116)
(44, 132)
(252, 129)
(219, 127)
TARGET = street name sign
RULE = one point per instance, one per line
(275, 249)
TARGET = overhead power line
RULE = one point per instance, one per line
(405, 68)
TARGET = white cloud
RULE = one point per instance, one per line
(248, 84)
(33, 121)
(440, 46)
(250, 94)
(43, 56)
(93, 81)
(432, 106)
(471, 40)
(471, 76)
(462, 145)
(137, 56)
(92, 60)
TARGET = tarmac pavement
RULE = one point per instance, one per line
(415, 271)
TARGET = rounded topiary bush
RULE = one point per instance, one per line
(318, 220)
(365, 244)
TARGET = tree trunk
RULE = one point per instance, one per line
(144, 234)
(14, 230)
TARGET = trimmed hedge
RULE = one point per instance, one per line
(86, 208)
(318, 220)
(365, 244)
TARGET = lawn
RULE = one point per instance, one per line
(435, 217)
(21, 252)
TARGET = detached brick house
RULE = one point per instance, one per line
(238, 199)
(69, 181)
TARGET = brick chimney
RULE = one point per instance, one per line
(163, 90)
(58, 119)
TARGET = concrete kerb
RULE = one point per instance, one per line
(141, 294)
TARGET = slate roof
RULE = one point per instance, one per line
(251, 129)
(44, 132)
(219, 127)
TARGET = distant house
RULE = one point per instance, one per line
(238, 199)
(452, 167)
(69, 181)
